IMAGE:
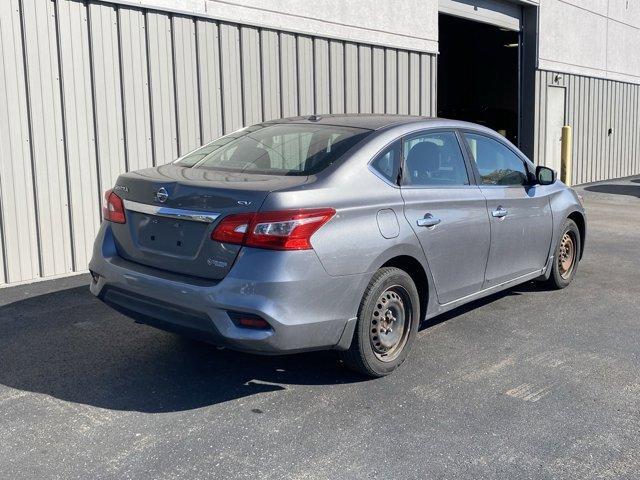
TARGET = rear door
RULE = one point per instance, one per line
(520, 213)
(447, 211)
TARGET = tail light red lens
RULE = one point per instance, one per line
(113, 208)
(281, 230)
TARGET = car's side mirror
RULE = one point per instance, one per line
(545, 175)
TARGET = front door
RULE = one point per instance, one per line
(447, 212)
(520, 213)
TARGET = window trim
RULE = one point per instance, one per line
(476, 172)
(373, 170)
(470, 173)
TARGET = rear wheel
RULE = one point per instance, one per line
(388, 320)
(566, 257)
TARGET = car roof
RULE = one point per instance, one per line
(376, 121)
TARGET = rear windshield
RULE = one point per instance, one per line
(277, 149)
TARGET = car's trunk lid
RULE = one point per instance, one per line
(172, 210)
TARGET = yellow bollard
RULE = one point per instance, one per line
(565, 155)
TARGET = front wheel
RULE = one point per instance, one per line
(566, 257)
(388, 320)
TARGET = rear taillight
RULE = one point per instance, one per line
(113, 208)
(281, 230)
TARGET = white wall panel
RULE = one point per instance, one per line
(593, 106)
(289, 58)
(336, 76)
(251, 83)
(47, 139)
(270, 55)
(402, 76)
(103, 27)
(77, 96)
(365, 79)
(351, 66)
(162, 87)
(135, 88)
(209, 69)
(378, 80)
(19, 236)
(231, 77)
(99, 89)
(186, 83)
(391, 81)
(306, 103)
(321, 85)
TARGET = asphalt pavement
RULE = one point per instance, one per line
(528, 383)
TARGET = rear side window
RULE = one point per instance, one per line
(434, 159)
(497, 164)
(387, 163)
(277, 149)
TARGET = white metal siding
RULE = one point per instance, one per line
(98, 89)
(593, 106)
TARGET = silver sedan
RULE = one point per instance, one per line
(334, 232)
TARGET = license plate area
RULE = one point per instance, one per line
(168, 235)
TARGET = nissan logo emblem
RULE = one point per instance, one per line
(162, 195)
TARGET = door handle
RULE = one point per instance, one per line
(499, 212)
(428, 221)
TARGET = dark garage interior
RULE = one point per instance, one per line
(478, 74)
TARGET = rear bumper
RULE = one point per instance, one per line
(306, 308)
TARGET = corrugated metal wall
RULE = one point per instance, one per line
(89, 90)
(592, 107)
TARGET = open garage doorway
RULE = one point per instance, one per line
(478, 75)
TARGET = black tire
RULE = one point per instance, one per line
(390, 300)
(567, 250)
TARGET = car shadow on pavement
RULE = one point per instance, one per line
(629, 190)
(467, 307)
(69, 345)
(72, 347)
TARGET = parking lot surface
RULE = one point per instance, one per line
(524, 384)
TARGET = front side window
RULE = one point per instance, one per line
(497, 164)
(276, 149)
(434, 159)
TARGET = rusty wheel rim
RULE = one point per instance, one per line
(567, 255)
(390, 323)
